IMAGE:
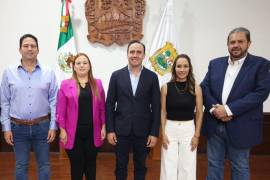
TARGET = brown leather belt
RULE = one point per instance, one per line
(29, 122)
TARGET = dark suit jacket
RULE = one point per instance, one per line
(250, 89)
(139, 114)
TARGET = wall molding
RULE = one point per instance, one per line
(263, 148)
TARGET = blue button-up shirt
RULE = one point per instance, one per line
(134, 80)
(27, 95)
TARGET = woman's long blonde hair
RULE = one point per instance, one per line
(91, 80)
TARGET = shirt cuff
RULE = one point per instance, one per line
(228, 111)
(6, 126)
(211, 110)
(53, 126)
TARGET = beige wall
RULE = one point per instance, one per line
(202, 28)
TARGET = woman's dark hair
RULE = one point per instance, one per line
(190, 87)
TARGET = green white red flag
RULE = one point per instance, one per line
(66, 42)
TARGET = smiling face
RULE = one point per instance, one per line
(29, 49)
(135, 55)
(182, 69)
(238, 45)
(82, 66)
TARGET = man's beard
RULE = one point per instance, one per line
(237, 56)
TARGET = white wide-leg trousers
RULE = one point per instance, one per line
(178, 162)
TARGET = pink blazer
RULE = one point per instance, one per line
(67, 111)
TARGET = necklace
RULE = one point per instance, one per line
(82, 81)
(180, 91)
(82, 84)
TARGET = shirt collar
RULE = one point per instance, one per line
(19, 65)
(238, 62)
(131, 71)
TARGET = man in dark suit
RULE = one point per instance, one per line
(133, 112)
(234, 90)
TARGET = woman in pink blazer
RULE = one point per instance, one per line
(81, 117)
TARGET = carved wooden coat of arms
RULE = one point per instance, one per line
(114, 21)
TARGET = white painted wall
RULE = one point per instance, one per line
(203, 27)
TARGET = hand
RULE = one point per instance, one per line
(219, 111)
(112, 138)
(51, 135)
(194, 142)
(151, 142)
(226, 119)
(103, 132)
(165, 141)
(63, 136)
(9, 137)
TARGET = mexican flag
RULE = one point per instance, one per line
(164, 46)
(66, 42)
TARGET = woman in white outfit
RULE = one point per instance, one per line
(180, 135)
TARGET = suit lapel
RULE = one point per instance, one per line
(240, 76)
(95, 101)
(127, 81)
(141, 82)
(94, 98)
(73, 90)
(222, 73)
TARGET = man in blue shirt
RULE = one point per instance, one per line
(28, 98)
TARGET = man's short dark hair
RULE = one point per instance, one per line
(28, 36)
(239, 29)
(136, 41)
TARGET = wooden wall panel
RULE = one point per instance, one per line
(263, 148)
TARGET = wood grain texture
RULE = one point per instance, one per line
(260, 169)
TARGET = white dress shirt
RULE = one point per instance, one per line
(230, 76)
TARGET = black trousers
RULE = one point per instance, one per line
(83, 155)
(140, 151)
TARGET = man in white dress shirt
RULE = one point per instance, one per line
(234, 90)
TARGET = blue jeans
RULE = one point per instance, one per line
(24, 136)
(218, 148)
